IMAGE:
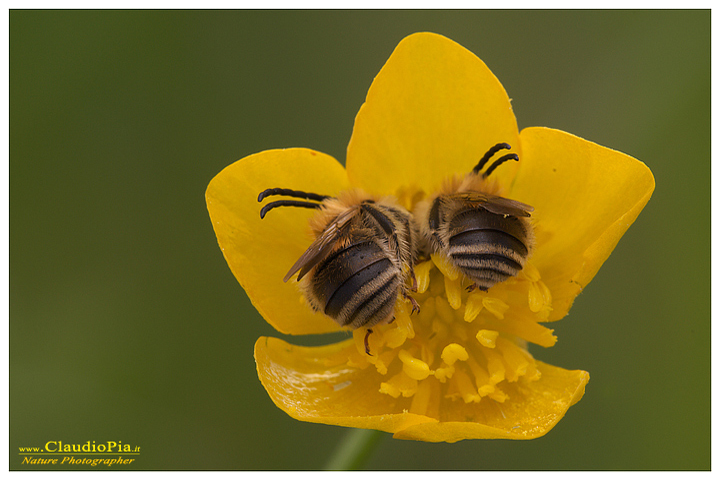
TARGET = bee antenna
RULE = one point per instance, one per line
(500, 161)
(287, 203)
(291, 193)
(489, 154)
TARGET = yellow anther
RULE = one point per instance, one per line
(414, 367)
(516, 362)
(399, 384)
(473, 307)
(442, 264)
(422, 275)
(467, 390)
(394, 337)
(453, 291)
(535, 300)
(495, 366)
(454, 352)
(402, 318)
(496, 306)
(383, 361)
(443, 373)
(482, 379)
(487, 338)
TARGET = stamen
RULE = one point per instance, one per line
(402, 318)
(473, 307)
(383, 361)
(454, 352)
(422, 275)
(482, 379)
(442, 264)
(437, 356)
(400, 384)
(395, 337)
(487, 338)
(444, 373)
(496, 306)
(414, 367)
(468, 392)
(515, 361)
(498, 395)
(453, 290)
(421, 399)
(495, 366)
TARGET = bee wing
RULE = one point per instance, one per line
(322, 246)
(498, 205)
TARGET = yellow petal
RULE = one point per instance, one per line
(432, 111)
(530, 410)
(260, 252)
(585, 197)
(314, 384)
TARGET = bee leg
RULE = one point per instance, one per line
(471, 287)
(367, 345)
(414, 280)
(415, 305)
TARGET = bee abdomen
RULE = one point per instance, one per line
(358, 285)
(486, 247)
(375, 303)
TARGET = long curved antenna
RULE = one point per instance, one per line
(287, 203)
(489, 154)
(498, 162)
(291, 193)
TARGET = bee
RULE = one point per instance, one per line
(485, 236)
(361, 259)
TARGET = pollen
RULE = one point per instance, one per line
(465, 345)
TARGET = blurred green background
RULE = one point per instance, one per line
(126, 324)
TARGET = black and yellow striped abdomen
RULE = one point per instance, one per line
(487, 247)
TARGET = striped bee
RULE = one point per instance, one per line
(361, 259)
(485, 236)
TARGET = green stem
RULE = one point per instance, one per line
(354, 450)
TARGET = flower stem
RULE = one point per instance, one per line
(354, 450)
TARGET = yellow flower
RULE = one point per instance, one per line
(459, 368)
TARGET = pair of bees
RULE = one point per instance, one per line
(365, 249)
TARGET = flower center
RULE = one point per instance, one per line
(463, 346)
